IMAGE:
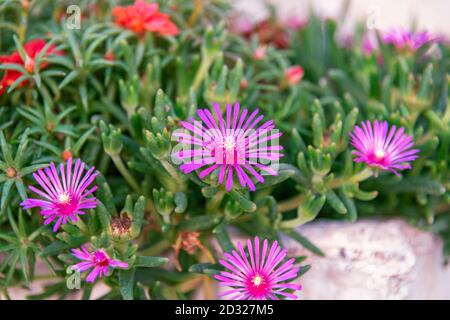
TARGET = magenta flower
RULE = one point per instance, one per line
(369, 43)
(63, 195)
(296, 22)
(98, 260)
(403, 39)
(369, 46)
(345, 39)
(261, 277)
(382, 148)
(232, 146)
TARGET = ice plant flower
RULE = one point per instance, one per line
(406, 40)
(32, 49)
(296, 22)
(345, 39)
(63, 196)
(142, 17)
(232, 146)
(369, 44)
(383, 148)
(98, 260)
(294, 75)
(259, 275)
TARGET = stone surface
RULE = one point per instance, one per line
(373, 259)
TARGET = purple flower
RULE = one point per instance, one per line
(345, 39)
(382, 148)
(369, 43)
(241, 25)
(369, 46)
(98, 260)
(236, 145)
(403, 39)
(261, 277)
(63, 195)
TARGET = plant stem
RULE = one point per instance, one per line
(121, 247)
(363, 175)
(156, 249)
(173, 172)
(215, 201)
(294, 202)
(190, 284)
(83, 227)
(291, 203)
(23, 23)
(150, 206)
(360, 176)
(198, 8)
(125, 173)
(208, 288)
(202, 71)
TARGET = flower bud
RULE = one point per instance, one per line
(127, 225)
(25, 4)
(164, 203)
(66, 155)
(294, 75)
(120, 225)
(29, 64)
(129, 94)
(243, 84)
(111, 138)
(109, 55)
(260, 53)
(11, 172)
(159, 143)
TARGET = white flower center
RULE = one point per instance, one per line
(379, 153)
(64, 198)
(257, 280)
(229, 143)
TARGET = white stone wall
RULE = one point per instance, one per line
(431, 15)
(373, 259)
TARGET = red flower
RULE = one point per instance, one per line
(269, 31)
(294, 74)
(32, 49)
(142, 17)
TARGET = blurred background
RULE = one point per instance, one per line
(431, 15)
